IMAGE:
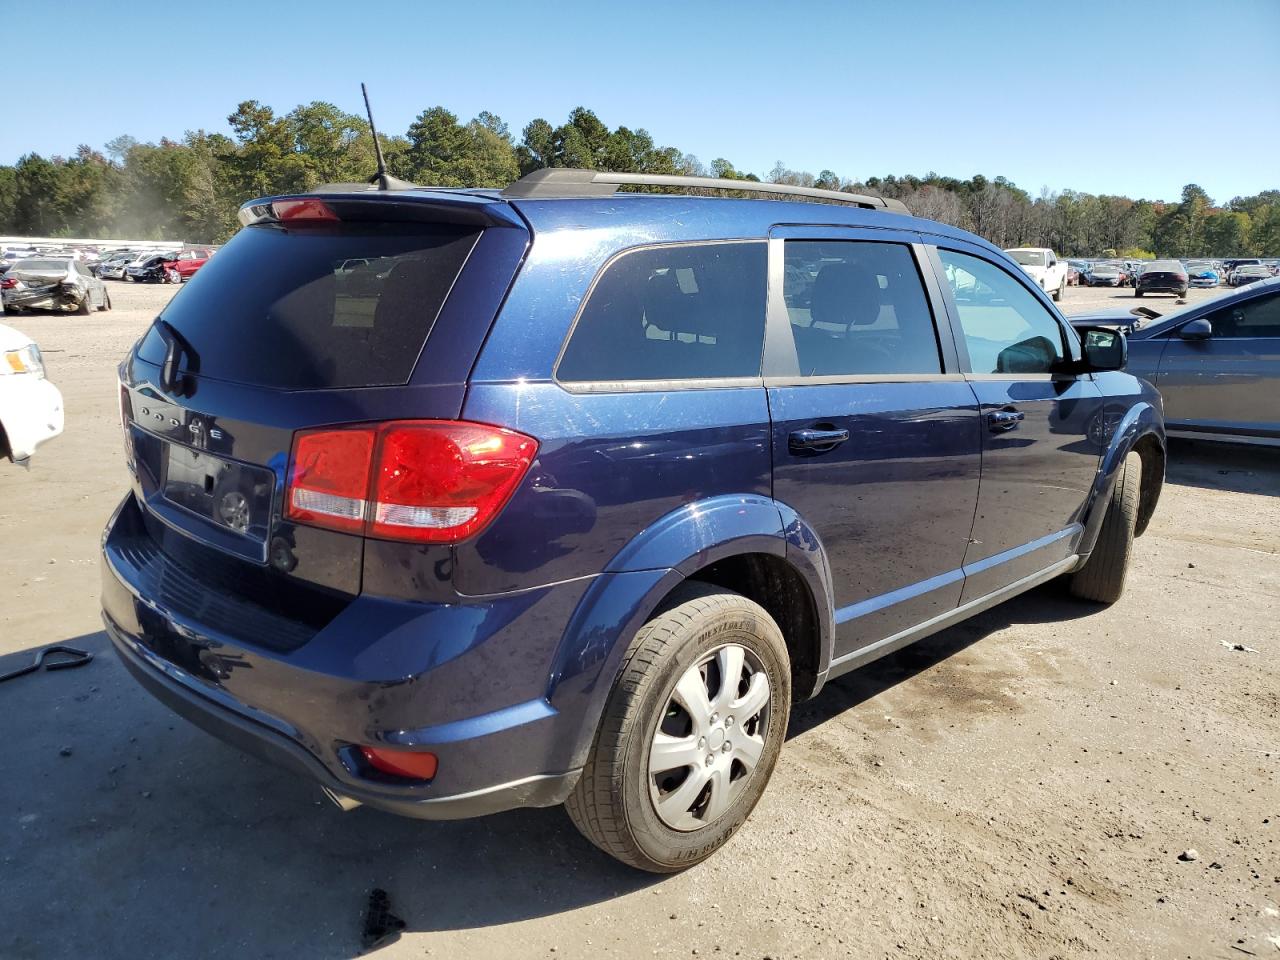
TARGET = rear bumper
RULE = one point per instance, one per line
(31, 413)
(382, 673)
(179, 693)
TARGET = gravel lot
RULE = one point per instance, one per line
(1020, 785)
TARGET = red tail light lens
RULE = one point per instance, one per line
(329, 478)
(427, 481)
(8, 283)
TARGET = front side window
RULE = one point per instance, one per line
(1006, 329)
(858, 308)
(674, 312)
(1254, 318)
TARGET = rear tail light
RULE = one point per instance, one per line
(425, 481)
(8, 283)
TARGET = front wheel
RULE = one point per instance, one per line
(1102, 577)
(1137, 293)
(690, 733)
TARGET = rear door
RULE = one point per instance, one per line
(1043, 431)
(876, 438)
(1230, 383)
(273, 336)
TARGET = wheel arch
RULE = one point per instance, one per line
(1141, 431)
(745, 543)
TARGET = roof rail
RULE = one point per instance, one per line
(569, 182)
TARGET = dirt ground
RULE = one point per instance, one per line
(1021, 785)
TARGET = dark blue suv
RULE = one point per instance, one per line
(461, 501)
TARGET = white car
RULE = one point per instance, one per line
(30, 406)
(1043, 266)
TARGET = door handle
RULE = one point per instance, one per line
(1000, 421)
(815, 440)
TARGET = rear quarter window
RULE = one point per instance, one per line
(314, 307)
(673, 312)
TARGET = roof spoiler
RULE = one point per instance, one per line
(552, 182)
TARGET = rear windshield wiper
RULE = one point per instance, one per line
(171, 380)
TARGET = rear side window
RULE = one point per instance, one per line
(316, 307)
(679, 312)
(858, 308)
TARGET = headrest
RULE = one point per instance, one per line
(672, 309)
(845, 294)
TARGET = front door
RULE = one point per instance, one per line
(1042, 430)
(1230, 383)
(875, 431)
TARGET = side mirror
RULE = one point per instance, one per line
(1200, 329)
(1104, 349)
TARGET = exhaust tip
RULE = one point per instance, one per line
(345, 804)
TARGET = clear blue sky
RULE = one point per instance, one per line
(1127, 98)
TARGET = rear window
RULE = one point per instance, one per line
(675, 312)
(45, 265)
(317, 306)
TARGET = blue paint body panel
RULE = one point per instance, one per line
(499, 652)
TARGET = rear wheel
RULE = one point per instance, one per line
(106, 301)
(690, 733)
(1102, 577)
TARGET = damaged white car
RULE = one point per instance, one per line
(53, 283)
(30, 406)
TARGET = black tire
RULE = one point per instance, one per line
(106, 302)
(611, 804)
(1102, 577)
(1137, 293)
(85, 307)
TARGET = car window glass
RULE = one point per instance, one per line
(1259, 317)
(1006, 329)
(675, 312)
(858, 308)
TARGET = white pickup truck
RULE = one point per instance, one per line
(1042, 266)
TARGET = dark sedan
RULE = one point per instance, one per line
(1162, 276)
(1216, 364)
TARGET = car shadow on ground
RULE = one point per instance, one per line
(1050, 603)
(151, 838)
(1221, 466)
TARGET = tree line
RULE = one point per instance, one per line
(191, 188)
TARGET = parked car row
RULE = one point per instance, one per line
(147, 266)
(156, 267)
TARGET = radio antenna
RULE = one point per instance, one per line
(382, 179)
